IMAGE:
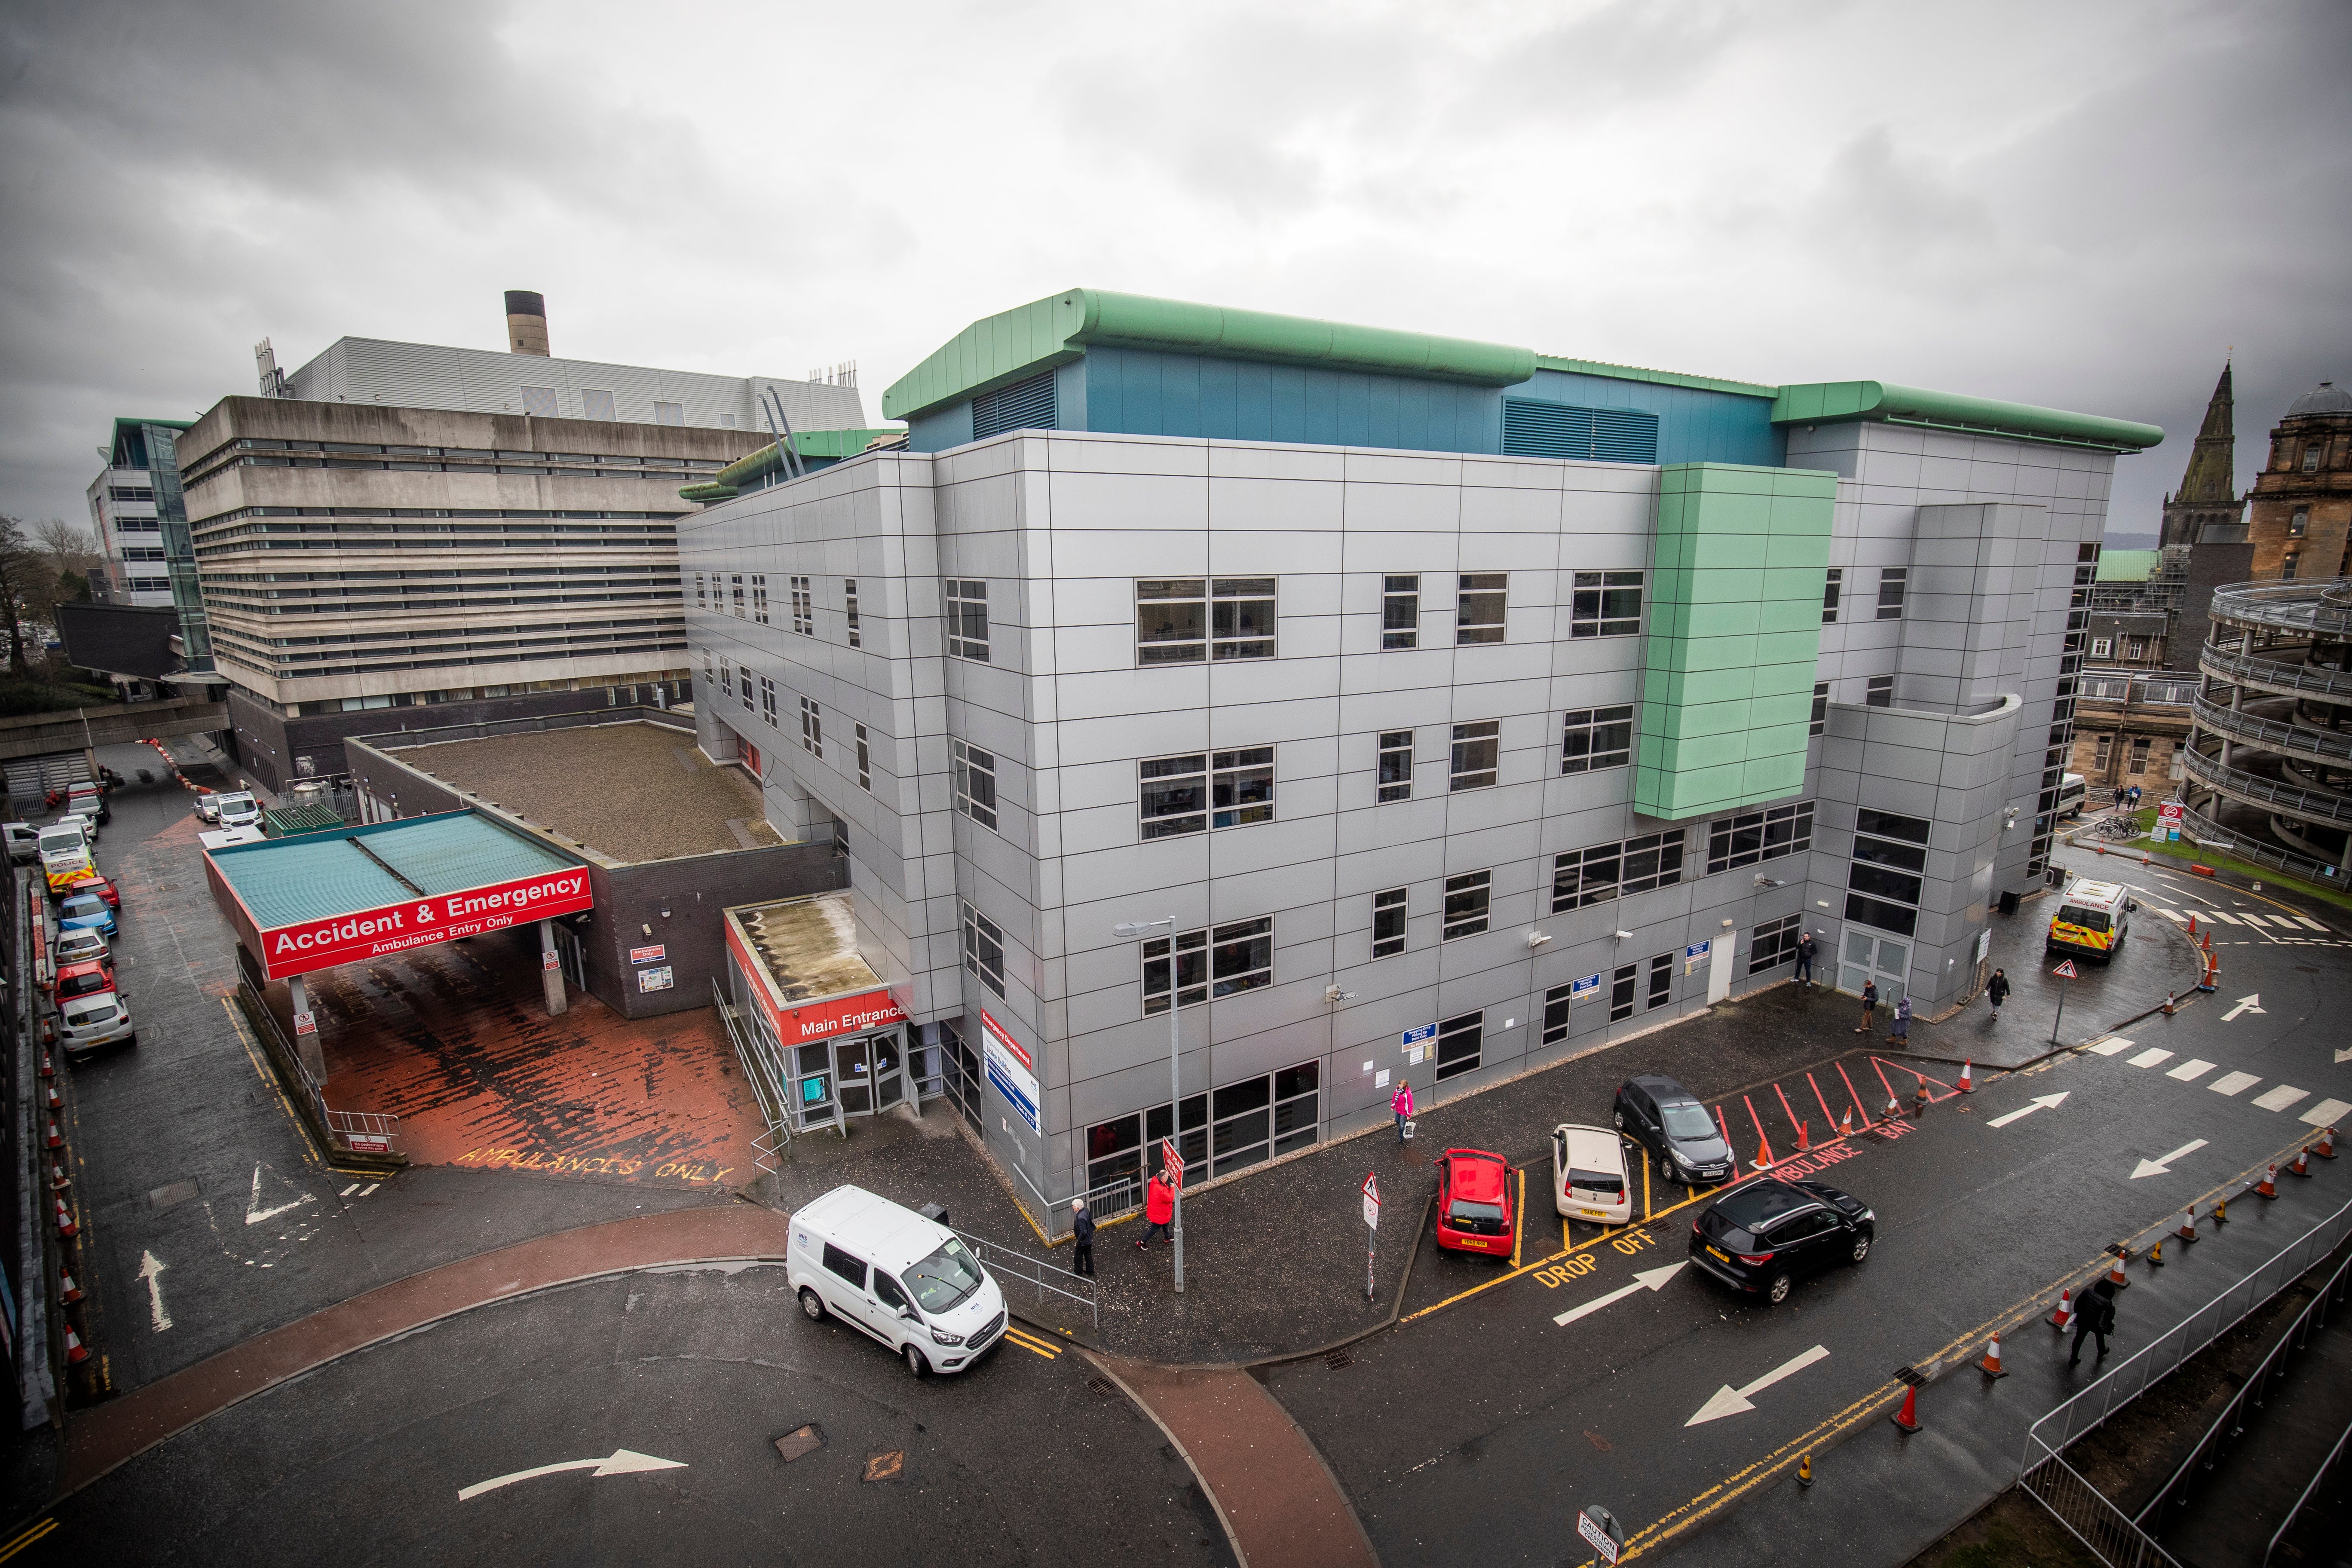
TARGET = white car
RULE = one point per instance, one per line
(238, 810)
(85, 1023)
(906, 1282)
(207, 806)
(79, 945)
(1589, 1180)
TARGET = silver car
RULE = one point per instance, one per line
(79, 945)
(86, 1023)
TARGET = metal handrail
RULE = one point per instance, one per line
(2305, 1501)
(2272, 675)
(2208, 834)
(2314, 805)
(767, 1088)
(1034, 1270)
(2297, 739)
(2305, 606)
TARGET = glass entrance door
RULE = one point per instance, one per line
(853, 1070)
(1868, 956)
(889, 1071)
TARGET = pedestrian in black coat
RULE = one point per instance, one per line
(1082, 1232)
(1998, 989)
(1869, 1005)
(1806, 950)
(2095, 1317)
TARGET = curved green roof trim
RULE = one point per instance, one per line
(708, 493)
(1659, 377)
(807, 443)
(1835, 402)
(1006, 348)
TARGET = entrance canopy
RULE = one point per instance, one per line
(324, 899)
(800, 958)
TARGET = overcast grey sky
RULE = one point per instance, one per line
(2082, 206)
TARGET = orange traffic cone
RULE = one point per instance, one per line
(1894, 1110)
(72, 1292)
(2268, 1186)
(2302, 1166)
(57, 1139)
(2063, 1318)
(1919, 1100)
(1908, 1416)
(2325, 1147)
(2115, 1274)
(76, 1351)
(65, 1227)
(58, 1180)
(57, 1100)
(1991, 1365)
(2187, 1231)
(1845, 1128)
(1804, 1142)
(48, 1067)
(1763, 1151)
(1967, 1078)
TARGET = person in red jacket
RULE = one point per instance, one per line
(1158, 1211)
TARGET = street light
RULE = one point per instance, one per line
(1133, 929)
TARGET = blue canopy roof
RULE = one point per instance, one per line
(317, 876)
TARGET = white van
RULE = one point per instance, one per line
(904, 1280)
(2072, 793)
(238, 809)
(64, 849)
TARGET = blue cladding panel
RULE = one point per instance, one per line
(1137, 391)
(1695, 426)
(1025, 405)
(1532, 429)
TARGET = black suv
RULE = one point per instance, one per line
(1668, 1119)
(1763, 1234)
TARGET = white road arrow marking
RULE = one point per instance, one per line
(1730, 1401)
(151, 1269)
(2163, 1166)
(255, 1214)
(2343, 1056)
(623, 1463)
(1648, 1279)
(2245, 1005)
(2041, 1102)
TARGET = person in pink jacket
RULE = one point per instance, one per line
(1402, 1103)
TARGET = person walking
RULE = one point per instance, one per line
(2095, 1317)
(1082, 1231)
(1806, 949)
(1869, 1007)
(1998, 989)
(1901, 1035)
(1158, 1211)
(2135, 797)
(1401, 1102)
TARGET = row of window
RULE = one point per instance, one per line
(729, 680)
(1235, 1126)
(1893, 583)
(2138, 753)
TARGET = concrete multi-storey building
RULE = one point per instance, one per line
(1459, 709)
(490, 535)
(142, 519)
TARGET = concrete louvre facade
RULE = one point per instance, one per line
(1942, 674)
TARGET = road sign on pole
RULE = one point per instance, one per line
(1599, 1527)
(1371, 1190)
(2065, 970)
(1172, 1163)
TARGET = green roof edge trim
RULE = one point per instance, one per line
(1836, 401)
(1661, 377)
(807, 443)
(1003, 349)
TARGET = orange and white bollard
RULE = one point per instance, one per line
(65, 1227)
(2325, 1147)
(2302, 1166)
(1919, 1100)
(2063, 1317)
(1991, 1365)
(2268, 1186)
(2187, 1228)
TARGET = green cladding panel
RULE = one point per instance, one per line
(1743, 557)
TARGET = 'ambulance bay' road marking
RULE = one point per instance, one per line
(2234, 1083)
(1730, 1401)
(2281, 1098)
(2191, 1071)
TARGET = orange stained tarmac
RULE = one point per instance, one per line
(456, 1041)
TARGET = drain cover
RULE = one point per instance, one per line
(1103, 1387)
(1338, 1359)
(800, 1442)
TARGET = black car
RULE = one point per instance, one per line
(1668, 1119)
(1764, 1235)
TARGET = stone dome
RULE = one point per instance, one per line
(2328, 399)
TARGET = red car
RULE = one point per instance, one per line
(86, 979)
(93, 883)
(1475, 1211)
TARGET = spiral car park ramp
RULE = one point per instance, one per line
(2268, 743)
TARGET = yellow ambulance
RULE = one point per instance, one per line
(2091, 919)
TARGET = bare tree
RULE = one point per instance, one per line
(27, 586)
(70, 546)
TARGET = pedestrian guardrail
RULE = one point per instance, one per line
(1002, 1261)
(2208, 834)
(2334, 1458)
(2317, 806)
(2302, 740)
(2111, 1534)
(2313, 606)
(771, 1085)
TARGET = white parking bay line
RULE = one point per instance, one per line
(2150, 1056)
(2191, 1071)
(2311, 923)
(2326, 1113)
(2109, 1046)
(2255, 920)
(2281, 1098)
(2218, 915)
(2172, 915)
(2234, 1083)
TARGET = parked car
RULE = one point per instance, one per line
(905, 1281)
(87, 1022)
(92, 882)
(88, 977)
(1668, 1119)
(87, 910)
(24, 842)
(84, 811)
(79, 944)
(1588, 1174)
(89, 796)
(1764, 1235)
(1474, 1212)
(207, 806)
(238, 810)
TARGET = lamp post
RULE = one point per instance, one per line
(1138, 930)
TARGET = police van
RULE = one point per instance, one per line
(906, 1282)
(2091, 919)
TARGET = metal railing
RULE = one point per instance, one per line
(2113, 1536)
(2301, 607)
(2231, 1423)
(375, 1126)
(2153, 691)
(771, 1088)
(2316, 806)
(2298, 740)
(1005, 1261)
(338, 1125)
(2305, 1501)
(2208, 834)
(2274, 674)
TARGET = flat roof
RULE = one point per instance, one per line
(807, 948)
(627, 792)
(316, 876)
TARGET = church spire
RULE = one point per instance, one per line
(2209, 489)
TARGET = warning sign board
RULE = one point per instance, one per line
(2065, 970)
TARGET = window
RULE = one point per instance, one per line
(1554, 1019)
(1883, 885)
(1830, 594)
(2135, 649)
(1222, 960)
(1892, 583)
(1662, 980)
(2138, 755)
(2099, 647)
(1184, 620)
(1466, 898)
(702, 592)
(1820, 707)
(595, 404)
(1754, 835)
(2299, 525)
(1396, 765)
(975, 781)
(760, 600)
(1621, 986)
(2290, 567)
(1399, 612)
(1594, 738)
(744, 675)
(849, 607)
(2311, 459)
(983, 949)
(539, 402)
(812, 728)
(1119, 1151)
(968, 619)
(1605, 605)
(804, 608)
(1880, 694)
(1582, 878)
(1478, 612)
(1388, 924)
(669, 413)
(841, 1263)
(767, 699)
(738, 580)
(2100, 753)
(1459, 1042)
(865, 759)
(1474, 749)
(1772, 944)
(1197, 791)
